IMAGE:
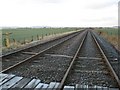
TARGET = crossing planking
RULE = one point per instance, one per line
(13, 82)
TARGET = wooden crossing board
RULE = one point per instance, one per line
(13, 82)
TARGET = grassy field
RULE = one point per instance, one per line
(110, 34)
(21, 34)
(109, 31)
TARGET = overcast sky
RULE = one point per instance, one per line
(71, 13)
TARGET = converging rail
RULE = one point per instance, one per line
(76, 56)
(71, 64)
(107, 61)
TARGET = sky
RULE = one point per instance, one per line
(59, 13)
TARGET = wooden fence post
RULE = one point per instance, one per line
(7, 39)
(24, 41)
(37, 37)
(42, 36)
(32, 39)
(14, 41)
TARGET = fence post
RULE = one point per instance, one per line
(37, 37)
(7, 42)
(42, 36)
(24, 41)
(32, 39)
(14, 41)
(7, 39)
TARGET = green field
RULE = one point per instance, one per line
(21, 34)
(109, 31)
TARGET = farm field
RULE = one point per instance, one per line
(21, 34)
(109, 31)
(110, 34)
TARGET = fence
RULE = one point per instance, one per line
(12, 42)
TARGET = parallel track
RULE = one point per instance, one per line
(89, 65)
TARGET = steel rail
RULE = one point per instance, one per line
(107, 61)
(60, 87)
(35, 55)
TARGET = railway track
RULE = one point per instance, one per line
(14, 58)
(78, 60)
(49, 64)
(90, 66)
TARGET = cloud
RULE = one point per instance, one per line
(102, 4)
(58, 12)
(52, 1)
(100, 19)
